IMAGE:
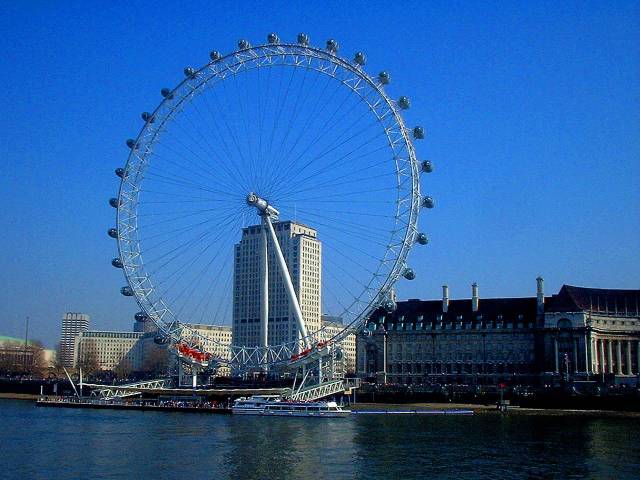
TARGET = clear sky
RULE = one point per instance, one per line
(532, 113)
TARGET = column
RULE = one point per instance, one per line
(609, 356)
(384, 358)
(587, 354)
(638, 357)
(629, 371)
(264, 290)
(618, 357)
(575, 355)
(601, 365)
(555, 355)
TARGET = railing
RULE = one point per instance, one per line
(316, 392)
(128, 390)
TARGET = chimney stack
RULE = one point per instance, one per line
(445, 298)
(540, 295)
(475, 300)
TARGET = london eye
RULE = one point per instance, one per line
(271, 187)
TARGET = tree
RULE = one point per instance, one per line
(156, 360)
(124, 368)
(89, 362)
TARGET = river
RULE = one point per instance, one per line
(51, 443)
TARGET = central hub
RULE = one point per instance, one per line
(261, 204)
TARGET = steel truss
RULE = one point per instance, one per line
(408, 200)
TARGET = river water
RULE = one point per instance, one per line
(52, 443)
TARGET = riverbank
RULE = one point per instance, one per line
(477, 409)
(492, 410)
(18, 396)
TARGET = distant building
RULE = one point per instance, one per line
(592, 331)
(580, 332)
(217, 340)
(109, 349)
(303, 253)
(332, 327)
(145, 325)
(72, 325)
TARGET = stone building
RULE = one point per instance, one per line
(332, 327)
(593, 332)
(504, 339)
(108, 350)
(214, 339)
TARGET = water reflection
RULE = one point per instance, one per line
(65, 443)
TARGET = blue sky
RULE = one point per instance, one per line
(532, 113)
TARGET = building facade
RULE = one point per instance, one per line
(72, 325)
(214, 339)
(504, 339)
(593, 332)
(332, 326)
(109, 350)
(303, 254)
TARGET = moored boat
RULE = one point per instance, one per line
(253, 405)
(305, 409)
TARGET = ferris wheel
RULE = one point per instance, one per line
(275, 186)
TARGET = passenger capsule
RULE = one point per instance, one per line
(126, 291)
(384, 78)
(418, 133)
(166, 93)
(428, 202)
(243, 44)
(303, 39)
(427, 166)
(214, 55)
(332, 45)
(273, 39)
(189, 72)
(409, 274)
(360, 59)
(141, 317)
(116, 262)
(389, 306)
(160, 340)
(147, 117)
(403, 102)
(422, 238)
(112, 232)
(114, 202)
(131, 143)
(120, 172)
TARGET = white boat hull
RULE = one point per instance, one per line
(340, 414)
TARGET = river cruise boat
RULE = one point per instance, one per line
(253, 405)
(305, 409)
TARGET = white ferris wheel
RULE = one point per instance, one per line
(253, 141)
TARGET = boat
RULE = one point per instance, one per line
(304, 409)
(253, 405)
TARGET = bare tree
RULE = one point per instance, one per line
(89, 363)
(156, 360)
(124, 368)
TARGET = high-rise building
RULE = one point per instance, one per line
(303, 254)
(72, 325)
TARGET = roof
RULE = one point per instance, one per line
(5, 339)
(604, 300)
(510, 310)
